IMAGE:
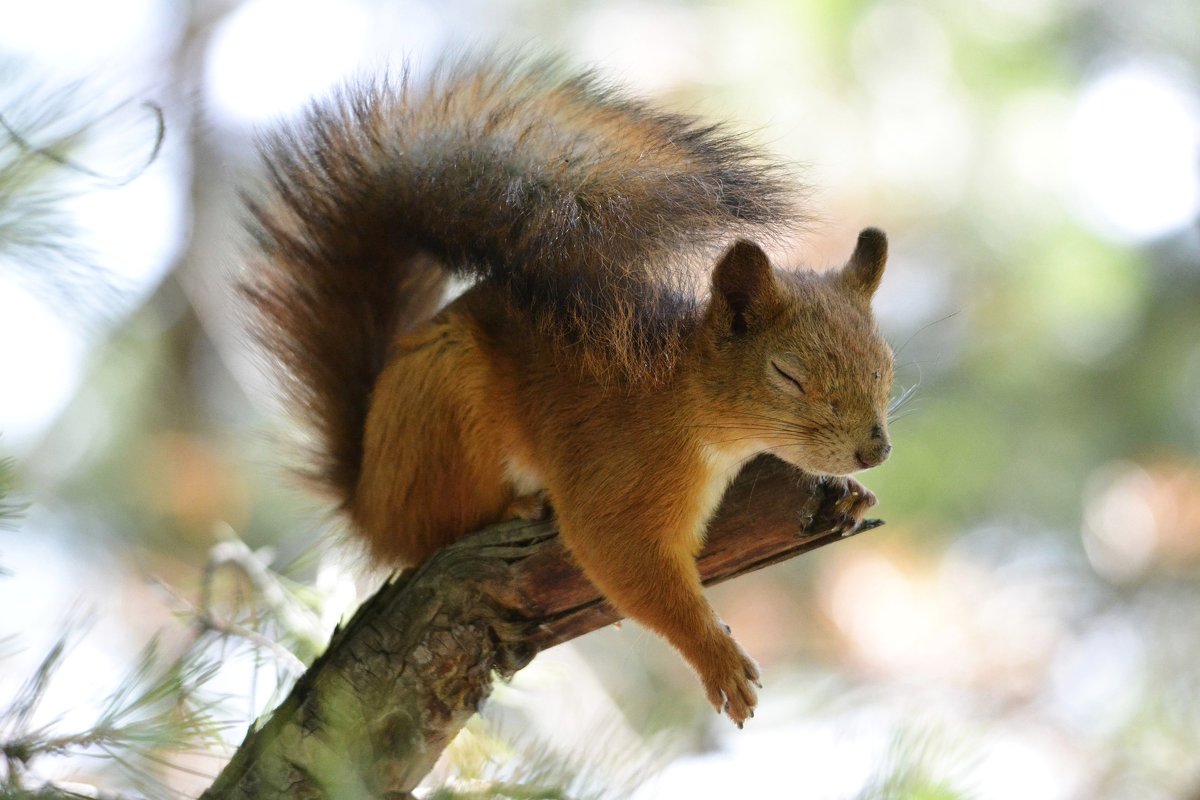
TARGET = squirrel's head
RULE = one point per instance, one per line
(798, 364)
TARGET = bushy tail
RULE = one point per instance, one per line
(582, 206)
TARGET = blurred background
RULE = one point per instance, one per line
(1025, 626)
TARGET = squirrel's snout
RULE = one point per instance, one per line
(876, 452)
(872, 457)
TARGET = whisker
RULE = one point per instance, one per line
(910, 412)
(921, 329)
(907, 395)
(904, 399)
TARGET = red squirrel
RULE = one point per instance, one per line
(579, 367)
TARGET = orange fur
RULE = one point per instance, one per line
(573, 367)
(634, 471)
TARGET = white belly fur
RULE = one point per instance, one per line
(523, 478)
(724, 466)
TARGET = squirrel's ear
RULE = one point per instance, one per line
(744, 284)
(864, 270)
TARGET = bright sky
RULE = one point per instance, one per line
(264, 62)
(1135, 136)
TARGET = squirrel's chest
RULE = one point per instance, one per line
(716, 470)
(722, 467)
(524, 478)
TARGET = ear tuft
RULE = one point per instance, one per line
(745, 281)
(863, 273)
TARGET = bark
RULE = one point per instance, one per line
(372, 715)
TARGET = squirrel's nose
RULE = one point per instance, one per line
(872, 456)
(875, 452)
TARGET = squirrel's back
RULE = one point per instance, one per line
(584, 207)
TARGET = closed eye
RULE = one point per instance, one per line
(783, 374)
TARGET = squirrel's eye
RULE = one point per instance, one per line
(788, 377)
(878, 374)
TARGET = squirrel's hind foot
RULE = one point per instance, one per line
(530, 507)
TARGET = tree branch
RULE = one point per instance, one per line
(371, 716)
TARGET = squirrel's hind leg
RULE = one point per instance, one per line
(431, 472)
(534, 507)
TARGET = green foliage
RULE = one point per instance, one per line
(164, 709)
(43, 130)
(911, 771)
(489, 763)
(31, 195)
(157, 711)
(9, 511)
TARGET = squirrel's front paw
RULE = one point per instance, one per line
(729, 677)
(843, 506)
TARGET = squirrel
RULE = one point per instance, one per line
(580, 368)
